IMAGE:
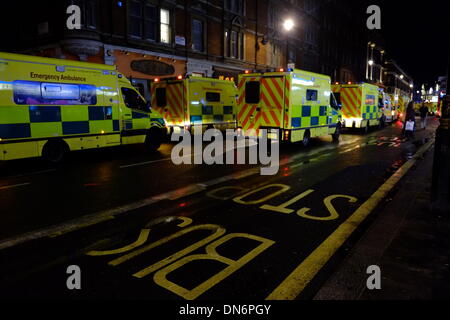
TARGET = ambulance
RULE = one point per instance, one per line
(386, 106)
(292, 104)
(51, 106)
(195, 103)
(360, 105)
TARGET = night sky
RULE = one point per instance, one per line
(417, 36)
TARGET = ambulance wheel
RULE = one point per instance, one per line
(337, 134)
(153, 139)
(306, 138)
(54, 151)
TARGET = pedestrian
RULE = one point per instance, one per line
(423, 116)
(410, 120)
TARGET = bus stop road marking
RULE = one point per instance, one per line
(293, 285)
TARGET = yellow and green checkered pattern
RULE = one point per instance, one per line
(19, 122)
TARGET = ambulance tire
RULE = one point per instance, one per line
(54, 151)
(306, 138)
(337, 134)
(153, 139)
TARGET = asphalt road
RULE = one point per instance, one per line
(140, 227)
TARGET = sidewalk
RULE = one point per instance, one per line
(409, 243)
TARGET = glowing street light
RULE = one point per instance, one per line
(370, 62)
(288, 24)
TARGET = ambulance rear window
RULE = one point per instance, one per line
(161, 100)
(252, 92)
(213, 96)
(311, 95)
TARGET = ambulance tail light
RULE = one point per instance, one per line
(280, 70)
(349, 82)
(247, 71)
(239, 132)
(286, 135)
(156, 80)
(180, 77)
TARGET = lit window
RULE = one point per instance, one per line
(165, 26)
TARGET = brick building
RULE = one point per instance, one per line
(164, 38)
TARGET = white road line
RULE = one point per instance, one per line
(144, 163)
(15, 186)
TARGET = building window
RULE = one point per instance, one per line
(235, 6)
(198, 35)
(146, 21)
(136, 21)
(88, 10)
(165, 26)
(234, 44)
(151, 22)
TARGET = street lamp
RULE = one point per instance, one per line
(370, 62)
(288, 24)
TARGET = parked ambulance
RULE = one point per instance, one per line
(51, 106)
(360, 105)
(195, 102)
(297, 104)
(386, 106)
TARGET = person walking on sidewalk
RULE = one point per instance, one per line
(410, 121)
(423, 116)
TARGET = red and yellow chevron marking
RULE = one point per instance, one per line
(153, 99)
(174, 96)
(246, 111)
(272, 101)
(272, 98)
(287, 94)
(351, 102)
